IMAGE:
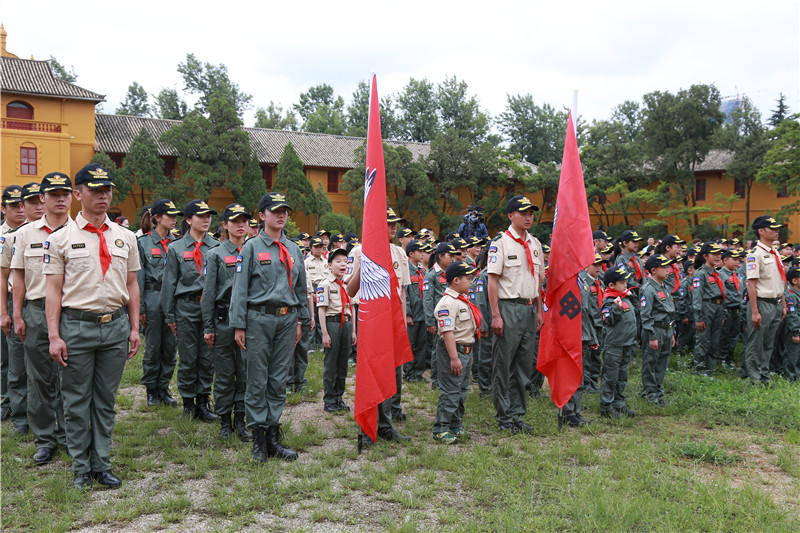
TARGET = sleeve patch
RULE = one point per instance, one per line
(644, 301)
(443, 312)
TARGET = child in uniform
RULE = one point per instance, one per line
(458, 322)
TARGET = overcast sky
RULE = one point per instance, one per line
(609, 51)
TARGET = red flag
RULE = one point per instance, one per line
(560, 356)
(382, 339)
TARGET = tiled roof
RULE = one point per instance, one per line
(715, 160)
(26, 76)
(114, 133)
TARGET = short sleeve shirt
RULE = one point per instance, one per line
(763, 267)
(507, 259)
(75, 252)
(329, 294)
(316, 269)
(454, 315)
(29, 253)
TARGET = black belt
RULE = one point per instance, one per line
(464, 348)
(270, 309)
(36, 303)
(336, 318)
(97, 318)
(152, 286)
(663, 325)
(717, 301)
(521, 301)
(770, 300)
(191, 297)
(733, 310)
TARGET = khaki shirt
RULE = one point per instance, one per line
(454, 315)
(763, 267)
(508, 259)
(28, 253)
(7, 236)
(329, 295)
(316, 269)
(75, 253)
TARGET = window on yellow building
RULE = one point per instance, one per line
(783, 193)
(700, 190)
(27, 161)
(17, 109)
(333, 181)
(739, 189)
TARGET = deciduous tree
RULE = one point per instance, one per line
(135, 103)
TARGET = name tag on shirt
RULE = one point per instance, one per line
(155, 252)
(188, 256)
(230, 260)
(264, 258)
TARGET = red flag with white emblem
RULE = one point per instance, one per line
(560, 354)
(382, 339)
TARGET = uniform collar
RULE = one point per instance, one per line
(764, 247)
(82, 221)
(451, 292)
(269, 240)
(525, 237)
(39, 224)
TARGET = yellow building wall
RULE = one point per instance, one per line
(66, 151)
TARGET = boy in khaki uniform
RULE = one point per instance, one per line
(45, 408)
(91, 281)
(458, 322)
(338, 331)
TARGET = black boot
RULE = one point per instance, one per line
(203, 412)
(189, 408)
(260, 444)
(153, 397)
(241, 427)
(167, 399)
(227, 429)
(275, 448)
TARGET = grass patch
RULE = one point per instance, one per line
(667, 469)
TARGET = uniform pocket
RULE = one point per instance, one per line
(33, 261)
(119, 259)
(80, 259)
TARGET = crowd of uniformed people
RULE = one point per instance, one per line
(245, 306)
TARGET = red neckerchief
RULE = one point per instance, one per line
(286, 259)
(600, 294)
(476, 313)
(613, 293)
(198, 256)
(524, 245)
(345, 299)
(735, 278)
(418, 278)
(780, 264)
(105, 255)
(677, 285)
(719, 284)
(164, 242)
(636, 267)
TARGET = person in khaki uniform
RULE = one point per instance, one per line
(338, 331)
(91, 267)
(269, 301)
(181, 291)
(45, 408)
(516, 269)
(316, 271)
(158, 361)
(17, 377)
(14, 215)
(766, 308)
(230, 380)
(458, 323)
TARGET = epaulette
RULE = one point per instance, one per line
(497, 237)
(62, 226)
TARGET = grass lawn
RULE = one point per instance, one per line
(724, 456)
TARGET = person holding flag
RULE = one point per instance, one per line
(516, 270)
(560, 355)
(383, 345)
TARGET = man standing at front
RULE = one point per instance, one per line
(91, 269)
(766, 307)
(515, 268)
